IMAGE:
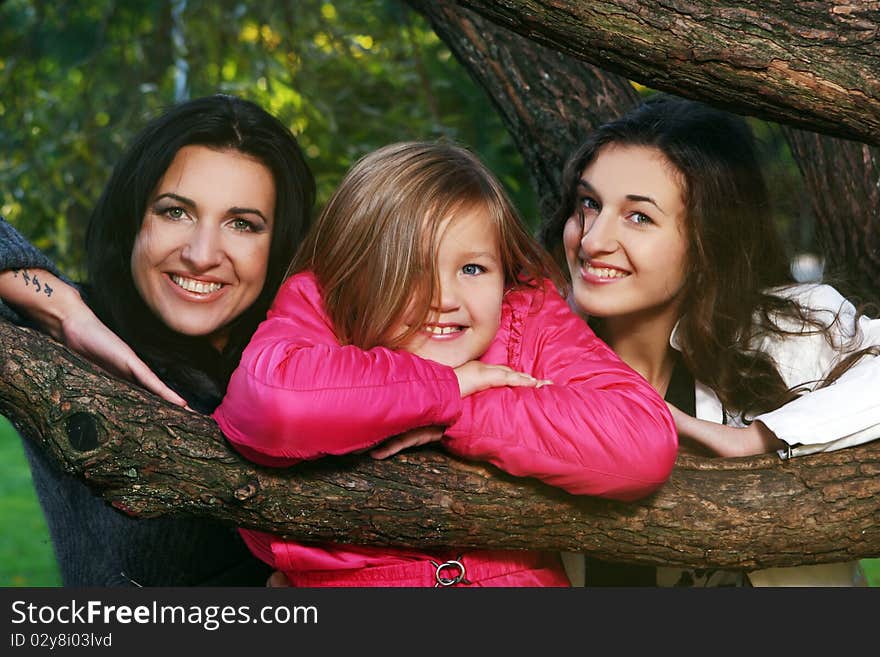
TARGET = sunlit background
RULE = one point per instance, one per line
(79, 79)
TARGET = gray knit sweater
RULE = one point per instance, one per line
(97, 546)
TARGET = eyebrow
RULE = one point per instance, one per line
(480, 254)
(631, 197)
(177, 197)
(192, 204)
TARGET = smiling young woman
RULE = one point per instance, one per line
(186, 248)
(665, 226)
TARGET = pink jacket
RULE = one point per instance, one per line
(600, 429)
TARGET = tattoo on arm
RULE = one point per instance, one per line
(28, 279)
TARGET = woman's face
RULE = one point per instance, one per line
(200, 258)
(627, 255)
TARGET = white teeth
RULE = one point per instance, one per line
(606, 272)
(191, 285)
(441, 330)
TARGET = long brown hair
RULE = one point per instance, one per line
(372, 247)
(735, 255)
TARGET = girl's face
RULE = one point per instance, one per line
(466, 311)
(200, 257)
(627, 255)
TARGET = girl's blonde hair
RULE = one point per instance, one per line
(372, 249)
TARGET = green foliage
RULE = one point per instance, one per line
(80, 79)
(26, 557)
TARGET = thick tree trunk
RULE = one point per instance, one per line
(843, 186)
(150, 458)
(815, 65)
(548, 101)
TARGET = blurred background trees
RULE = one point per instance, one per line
(79, 79)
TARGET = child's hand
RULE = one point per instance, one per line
(412, 438)
(474, 376)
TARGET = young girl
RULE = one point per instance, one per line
(420, 309)
(666, 229)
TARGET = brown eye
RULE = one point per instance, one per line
(243, 225)
(640, 219)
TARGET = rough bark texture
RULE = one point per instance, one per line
(843, 185)
(811, 64)
(548, 101)
(150, 458)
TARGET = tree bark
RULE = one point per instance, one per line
(150, 458)
(814, 65)
(842, 179)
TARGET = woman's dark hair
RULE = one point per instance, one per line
(735, 253)
(190, 364)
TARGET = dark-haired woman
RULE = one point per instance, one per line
(186, 249)
(666, 230)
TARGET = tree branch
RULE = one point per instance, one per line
(813, 65)
(150, 458)
(843, 180)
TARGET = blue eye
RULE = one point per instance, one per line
(471, 269)
(589, 203)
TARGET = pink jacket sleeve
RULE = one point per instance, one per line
(297, 394)
(600, 429)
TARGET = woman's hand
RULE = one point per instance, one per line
(83, 332)
(411, 438)
(724, 440)
(475, 376)
(58, 309)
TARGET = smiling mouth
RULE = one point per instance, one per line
(192, 285)
(434, 329)
(606, 273)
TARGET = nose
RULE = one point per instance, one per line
(599, 234)
(203, 250)
(446, 298)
